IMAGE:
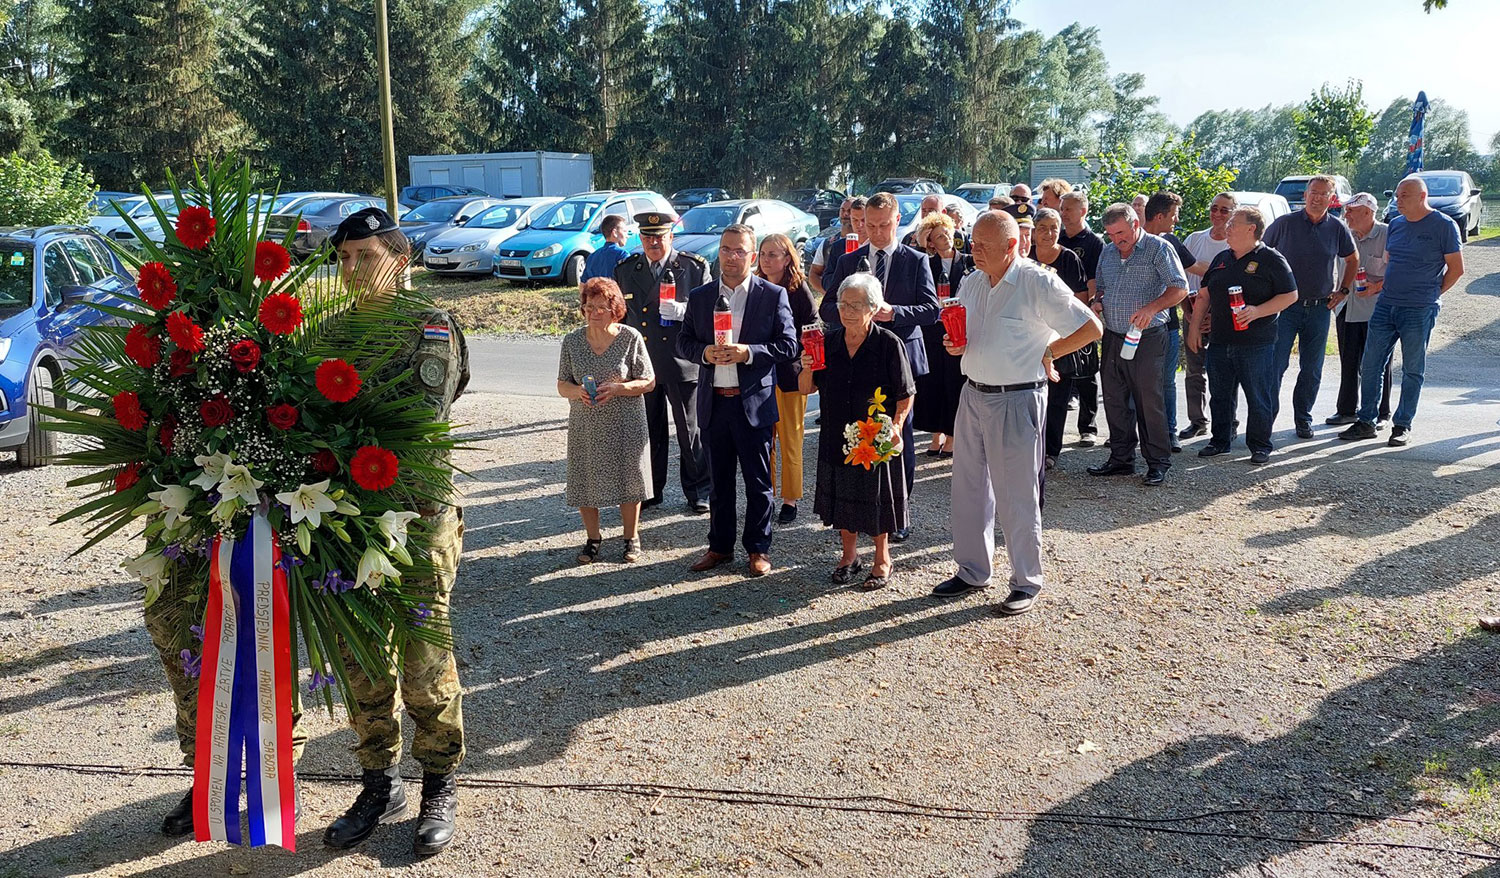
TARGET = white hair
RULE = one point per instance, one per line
(868, 284)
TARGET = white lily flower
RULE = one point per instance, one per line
(174, 500)
(151, 569)
(224, 512)
(375, 568)
(393, 525)
(239, 482)
(308, 503)
(213, 470)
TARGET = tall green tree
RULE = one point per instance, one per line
(34, 48)
(1446, 144)
(1073, 92)
(1178, 166)
(1133, 123)
(1261, 143)
(1333, 127)
(144, 81)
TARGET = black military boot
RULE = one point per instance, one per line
(438, 820)
(179, 820)
(382, 800)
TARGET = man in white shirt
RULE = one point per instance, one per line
(1019, 318)
(1204, 244)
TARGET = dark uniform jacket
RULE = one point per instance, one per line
(640, 288)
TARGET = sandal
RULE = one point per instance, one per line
(845, 574)
(873, 582)
(590, 551)
(632, 551)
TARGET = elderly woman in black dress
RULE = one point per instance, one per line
(865, 363)
(938, 390)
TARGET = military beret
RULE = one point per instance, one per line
(365, 223)
(1023, 213)
(655, 222)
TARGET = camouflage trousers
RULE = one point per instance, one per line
(169, 634)
(424, 678)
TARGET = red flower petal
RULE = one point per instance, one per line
(142, 347)
(271, 261)
(195, 227)
(283, 416)
(127, 477)
(157, 287)
(337, 380)
(128, 410)
(281, 313)
(373, 468)
(184, 332)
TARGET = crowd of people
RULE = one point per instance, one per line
(1054, 317)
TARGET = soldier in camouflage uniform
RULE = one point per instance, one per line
(372, 253)
(165, 625)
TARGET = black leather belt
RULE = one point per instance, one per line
(1309, 303)
(1004, 388)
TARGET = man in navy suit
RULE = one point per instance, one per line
(910, 295)
(737, 390)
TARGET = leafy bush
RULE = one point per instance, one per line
(1175, 167)
(37, 190)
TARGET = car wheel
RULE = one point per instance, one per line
(573, 270)
(40, 444)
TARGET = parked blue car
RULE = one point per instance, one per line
(48, 278)
(560, 239)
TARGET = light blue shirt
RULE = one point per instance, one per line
(1127, 285)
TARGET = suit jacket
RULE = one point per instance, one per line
(766, 327)
(909, 290)
(641, 289)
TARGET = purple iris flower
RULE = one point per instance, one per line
(192, 665)
(422, 612)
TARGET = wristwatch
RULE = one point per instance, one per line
(1343, 291)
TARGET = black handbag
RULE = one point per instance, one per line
(1079, 364)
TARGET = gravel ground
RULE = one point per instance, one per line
(1298, 637)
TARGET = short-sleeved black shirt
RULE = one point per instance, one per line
(1188, 260)
(1068, 267)
(1263, 273)
(1086, 246)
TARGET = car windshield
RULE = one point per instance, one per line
(283, 202)
(566, 216)
(501, 216)
(709, 219)
(1444, 185)
(129, 205)
(15, 277)
(909, 208)
(976, 196)
(1292, 190)
(434, 212)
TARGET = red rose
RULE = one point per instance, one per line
(281, 313)
(184, 332)
(216, 412)
(142, 347)
(128, 410)
(156, 285)
(283, 416)
(127, 476)
(271, 261)
(167, 435)
(245, 355)
(337, 380)
(324, 462)
(373, 468)
(195, 227)
(180, 364)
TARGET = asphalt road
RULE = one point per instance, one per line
(1458, 420)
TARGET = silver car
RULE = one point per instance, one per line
(699, 229)
(471, 248)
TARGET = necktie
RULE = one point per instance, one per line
(656, 269)
(880, 266)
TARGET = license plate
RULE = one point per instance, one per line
(438, 263)
(510, 263)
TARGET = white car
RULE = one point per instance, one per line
(1271, 205)
(471, 247)
(979, 194)
(911, 209)
(137, 207)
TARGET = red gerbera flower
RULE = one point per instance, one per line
(128, 410)
(216, 412)
(127, 476)
(283, 416)
(195, 227)
(281, 313)
(325, 462)
(186, 334)
(337, 380)
(180, 364)
(142, 347)
(271, 261)
(245, 355)
(156, 285)
(373, 468)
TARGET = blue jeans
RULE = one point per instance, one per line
(1305, 323)
(1252, 368)
(1412, 324)
(1169, 380)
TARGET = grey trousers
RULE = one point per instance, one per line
(1133, 401)
(997, 465)
(1196, 381)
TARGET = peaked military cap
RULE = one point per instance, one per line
(654, 222)
(1023, 212)
(365, 223)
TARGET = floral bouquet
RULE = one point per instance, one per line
(871, 441)
(257, 422)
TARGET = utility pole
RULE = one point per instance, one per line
(387, 115)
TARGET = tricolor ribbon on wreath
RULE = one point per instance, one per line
(245, 695)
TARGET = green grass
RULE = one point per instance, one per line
(489, 305)
(1486, 233)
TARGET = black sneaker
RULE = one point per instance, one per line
(1304, 431)
(1212, 450)
(1176, 446)
(1087, 440)
(1192, 431)
(1260, 458)
(1016, 603)
(1341, 420)
(1358, 430)
(1400, 436)
(788, 514)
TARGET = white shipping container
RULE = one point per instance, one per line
(508, 174)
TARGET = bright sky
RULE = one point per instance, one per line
(1296, 46)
